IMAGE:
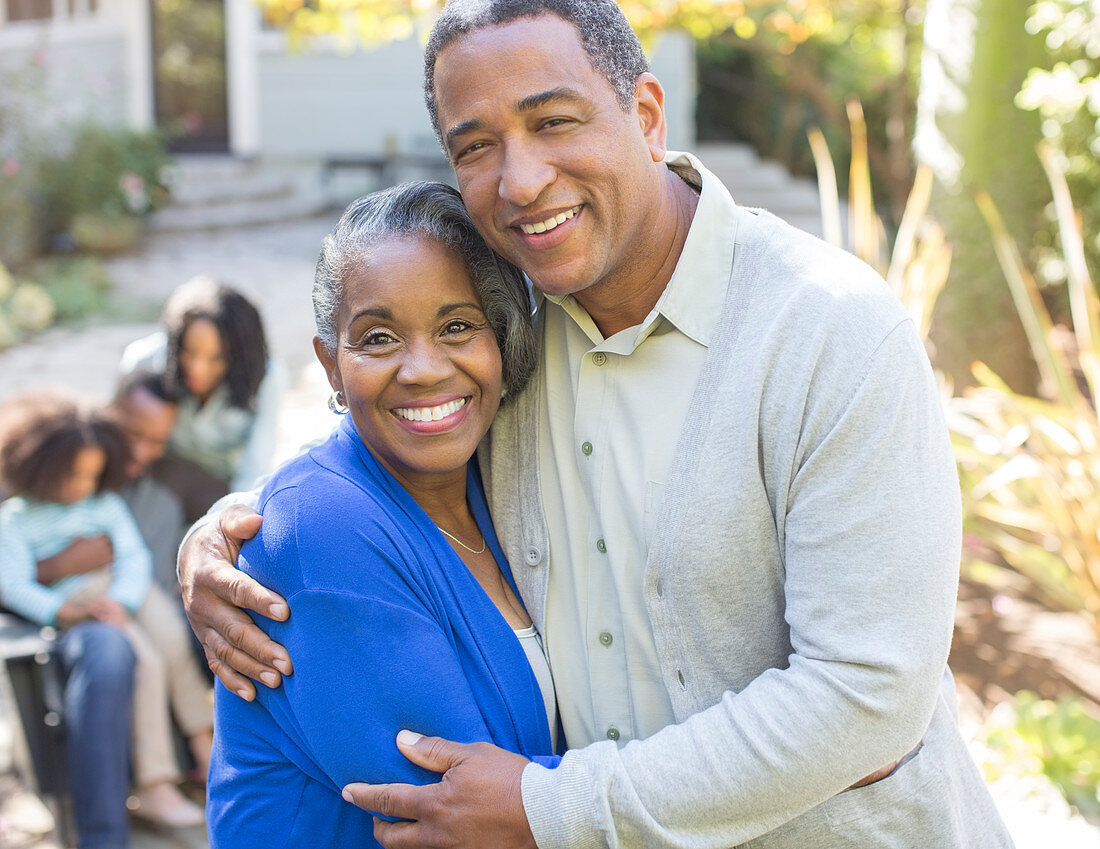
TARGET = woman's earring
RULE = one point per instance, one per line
(336, 403)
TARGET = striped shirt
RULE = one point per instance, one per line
(31, 531)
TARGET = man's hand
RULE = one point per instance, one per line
(476, 805)
(84, 554)
(214, 592)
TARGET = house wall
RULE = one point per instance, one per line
(67, 71)
(368, 103)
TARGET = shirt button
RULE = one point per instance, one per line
(533, 557)
(599, 358)
(606, 638)
(586, 448)
(612, 733)
(601, 546)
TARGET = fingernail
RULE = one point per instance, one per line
(278, 611)
(244, 694)
(347, 795)
(269, 679)
(282, 665)
(408, 738)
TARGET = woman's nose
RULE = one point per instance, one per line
(425, 364)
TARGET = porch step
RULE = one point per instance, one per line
(757, 182)
(220, 192)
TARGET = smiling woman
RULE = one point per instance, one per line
(405, 610)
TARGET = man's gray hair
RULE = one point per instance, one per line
(606, 36)
(436, 211)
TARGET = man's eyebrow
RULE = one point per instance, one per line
(554, 95)
(534, 101)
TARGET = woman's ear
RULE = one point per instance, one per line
(328, 362)
(649, 98)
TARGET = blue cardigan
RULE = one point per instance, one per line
(388, 630)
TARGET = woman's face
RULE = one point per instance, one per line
(83, 480)
(202, 359)
(417, 361)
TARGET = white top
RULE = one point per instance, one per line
(531, 642)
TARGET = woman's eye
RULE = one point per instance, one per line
(457, 326)
(376, 339)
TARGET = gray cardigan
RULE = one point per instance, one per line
(801, 583)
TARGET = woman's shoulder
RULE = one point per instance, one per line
(149, 352)
(325, 525)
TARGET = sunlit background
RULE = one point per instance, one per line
(952, 144)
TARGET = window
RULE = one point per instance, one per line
(44, 10)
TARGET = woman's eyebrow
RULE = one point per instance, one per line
(449, 308)
(376, 312)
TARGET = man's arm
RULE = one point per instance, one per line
(215, 596)
(84, 554)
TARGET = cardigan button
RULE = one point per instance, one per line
(534, 557)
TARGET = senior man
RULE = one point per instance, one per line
(728, 496)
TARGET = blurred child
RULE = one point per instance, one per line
(60, 463)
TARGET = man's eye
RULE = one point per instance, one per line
(473, 148)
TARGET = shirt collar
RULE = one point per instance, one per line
(693, 298)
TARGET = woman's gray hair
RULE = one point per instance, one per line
(605, 33)
(436, 211)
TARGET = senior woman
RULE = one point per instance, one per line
(405, 611)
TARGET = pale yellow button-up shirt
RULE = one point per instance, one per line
(610, 416)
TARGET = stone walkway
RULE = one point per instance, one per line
(274, 265)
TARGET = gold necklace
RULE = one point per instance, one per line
(484, 542)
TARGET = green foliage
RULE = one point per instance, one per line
(110, 173)
(24, 308)
(79, 287)
(750, 90)
(1060, 740)
(1066, 95)
(918, 263)
(1030, 467)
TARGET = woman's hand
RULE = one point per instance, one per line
(72, 612)
(214, 593)
(108, 611)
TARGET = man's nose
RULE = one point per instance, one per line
(525, 173)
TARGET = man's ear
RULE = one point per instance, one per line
(328, 362)
(649, 97)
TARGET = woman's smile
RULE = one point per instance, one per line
(417, 362)
(433, 418)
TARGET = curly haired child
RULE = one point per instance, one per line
(60, 462)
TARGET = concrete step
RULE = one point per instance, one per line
(230, 189)
(248, 213)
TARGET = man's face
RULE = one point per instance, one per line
(556, 175)
(148, 423)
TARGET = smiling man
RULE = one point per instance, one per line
(728, 494)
